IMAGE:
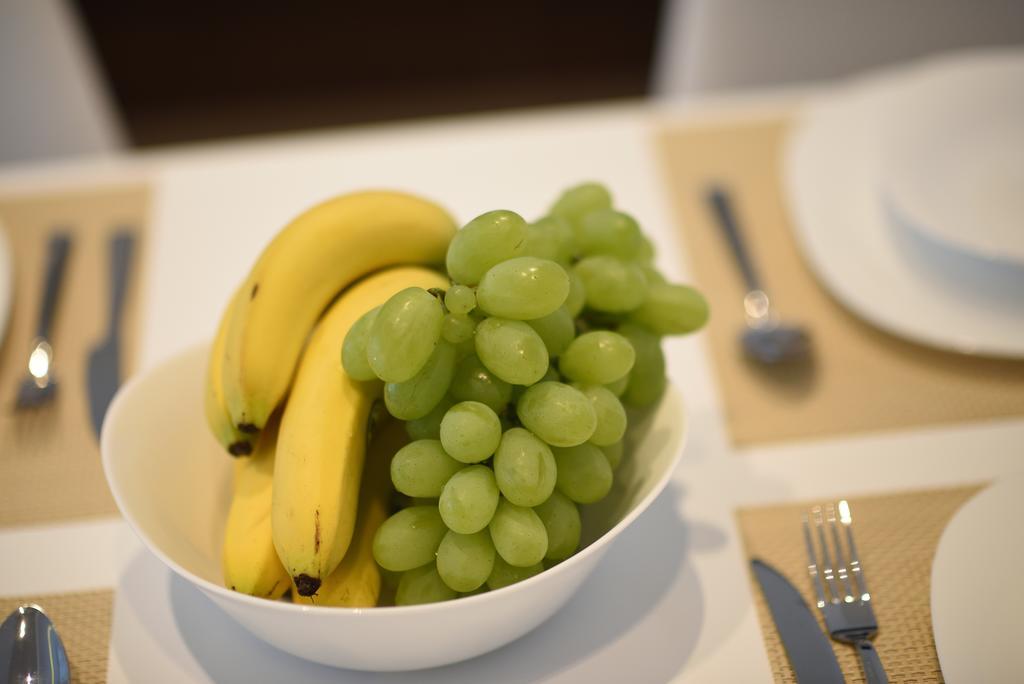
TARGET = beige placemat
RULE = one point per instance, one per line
(49, 457)
(896, 537)
(862, 378)
(83, 622)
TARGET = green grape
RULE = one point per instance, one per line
(557, 413)
(617, 387)
(611, 284)
(606, 231)
(504, 574)
(422, 585)
(561, 519)
(577, 296)
(647, 378)
(422, 468)
(672, 309)
(403, 334)
(523, 288)
(470, 431)
(611, 417)
(652, 275)
(524, 468)
(512, 350)
(551, 375)
(389, 578)
(613, 452)
(518, 534)
(417, 396)
(597, 358)
(485, 241)
(473, 382)
(465, 561)
(457, 328)
(429, 426)
(460, 299)
(482, 589)
(559, 243)
(465, 348)
(556, 330)
(540, 243)
(579, 200)
(584, 474)
(353, 349)
(646, 253)
(409, 538)
(469, 499)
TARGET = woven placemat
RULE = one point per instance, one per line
(862, 378)
(49, 457)
(83, 622)
(896, 538)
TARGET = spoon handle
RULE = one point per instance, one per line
(721, 205)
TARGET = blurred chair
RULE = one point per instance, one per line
(713, 45)
(53, 101)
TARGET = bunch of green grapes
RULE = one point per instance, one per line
(512, 384)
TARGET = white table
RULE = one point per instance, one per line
(671, 601)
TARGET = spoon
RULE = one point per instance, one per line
(765, 339)
(31, 650)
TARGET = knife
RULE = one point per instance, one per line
(809, 650)
(105, 359)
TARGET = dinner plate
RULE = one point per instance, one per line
(876, 267)
(977, 604)
(6, 282)
(952, 154)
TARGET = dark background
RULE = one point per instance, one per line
(181, 71)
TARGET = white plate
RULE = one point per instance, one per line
(6, 282)
(171, 481)
(977, 602)
(883, 272)
(952, 162)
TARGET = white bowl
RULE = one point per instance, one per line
(171, 481)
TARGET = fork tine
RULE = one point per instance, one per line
(856, 570)
(826, 556)
(812, 563)
(830, 516)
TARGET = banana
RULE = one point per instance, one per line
(251, 565)
(322, 444)
(237, 443)
(356, 582)
(298, 274)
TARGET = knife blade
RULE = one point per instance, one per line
(104, 375)
(809, 650)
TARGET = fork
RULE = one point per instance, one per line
(41, 384)
(846, 606)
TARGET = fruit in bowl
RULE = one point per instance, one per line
(407, 436)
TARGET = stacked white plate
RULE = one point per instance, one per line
(907, 193)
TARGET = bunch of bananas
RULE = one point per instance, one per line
(303, 513)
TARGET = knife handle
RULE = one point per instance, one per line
(874, 673)
(121, 248)
(60, 245)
